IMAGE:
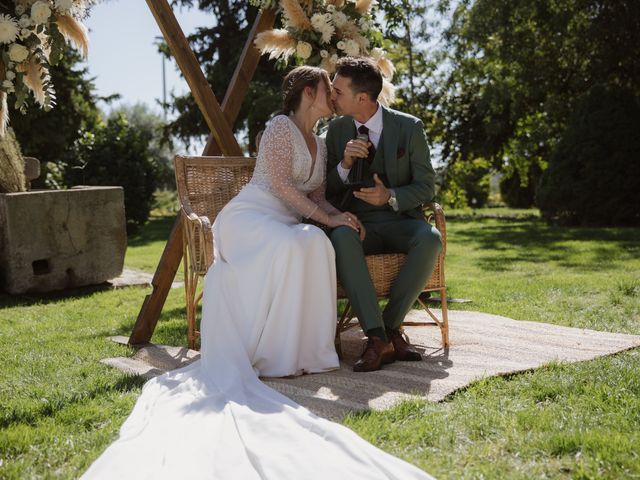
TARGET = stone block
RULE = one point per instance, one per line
(57, 239)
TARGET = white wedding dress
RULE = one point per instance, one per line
(269, 309)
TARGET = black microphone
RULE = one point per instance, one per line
(358, 180)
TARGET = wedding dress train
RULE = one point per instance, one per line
(268, 310)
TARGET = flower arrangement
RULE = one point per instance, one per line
(32, 38)
(319, 32)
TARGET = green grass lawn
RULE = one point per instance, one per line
(59, 407)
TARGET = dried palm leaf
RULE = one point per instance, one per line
(74, 31)
(278, 43)
(295, 15)
(34, 78)
(4, 113)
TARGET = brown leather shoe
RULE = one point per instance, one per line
(404, 351)
(376, 354)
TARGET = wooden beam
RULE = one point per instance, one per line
(200, 88)
(237, 90)
(172, 254)
(161, 283)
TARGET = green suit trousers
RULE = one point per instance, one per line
(387, 232)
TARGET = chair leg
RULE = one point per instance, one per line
(444, 328)
(189, 290)
(344, 319)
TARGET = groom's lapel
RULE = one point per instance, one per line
(390, 134)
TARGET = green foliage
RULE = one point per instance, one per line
(150, 126)
(49, 136)
(518, 69)
(594, 175)
(116, 153)
(519, 192)
(466, 184)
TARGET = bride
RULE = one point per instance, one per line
(269, 309)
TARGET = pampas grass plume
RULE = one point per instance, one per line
(386, 67)
(363, 6)
(277, 43)
(74, 31)
(296, 17)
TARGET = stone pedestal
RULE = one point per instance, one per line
(57, 239)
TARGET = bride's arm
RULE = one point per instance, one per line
(277, 148)
(318, 196)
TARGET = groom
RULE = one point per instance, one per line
(391, 148)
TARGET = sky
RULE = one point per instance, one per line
(123, 57)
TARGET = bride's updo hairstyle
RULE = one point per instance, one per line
(296, 81)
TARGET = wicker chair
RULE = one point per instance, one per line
(384, 269)
(206, 184)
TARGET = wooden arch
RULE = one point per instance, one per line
(221, 140)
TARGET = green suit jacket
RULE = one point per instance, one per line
(402, 153)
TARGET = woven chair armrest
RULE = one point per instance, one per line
(199, 240)
(437, 213)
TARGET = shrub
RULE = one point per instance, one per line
(116, 154)
(466, 184)
(594, 173)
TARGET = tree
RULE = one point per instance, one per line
(519, 68)
(594, 174)
(48, 136)
(150, 126)
(218, 50)
(116, 153)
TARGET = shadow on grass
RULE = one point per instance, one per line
(157, 229)
(124, 384)
(536, 242)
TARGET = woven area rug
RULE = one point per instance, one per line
(482, 345)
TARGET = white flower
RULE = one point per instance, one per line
(324, 54)
(320, 21)
(331, 8)
(63, 6)
(365, 25)
(24, 33)
(339, 19)
(25, 21)
(334, 59)
(20, 9)
(351, 48)
(10, 75)
(377, 53)
(8, 29)
(341, 45)
(40, 12)
(327, 33)
(7, 86)
(303, 50)
(18, 53)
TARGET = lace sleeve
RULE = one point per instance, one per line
(277, 148)
(319, 198)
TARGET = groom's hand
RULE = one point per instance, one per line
(378, 195)
(355, 148)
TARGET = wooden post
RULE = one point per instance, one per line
(242, 76)
(186, 60)
(172, 254)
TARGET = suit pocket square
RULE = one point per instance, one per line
(400, 153)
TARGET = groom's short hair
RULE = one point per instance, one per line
(364, 74)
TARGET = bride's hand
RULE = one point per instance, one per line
(344, 219)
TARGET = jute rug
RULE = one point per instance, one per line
(482, 345)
